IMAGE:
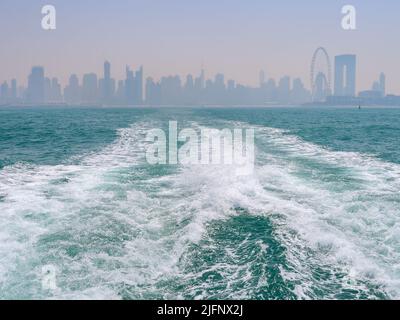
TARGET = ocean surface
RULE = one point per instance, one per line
(319, 218)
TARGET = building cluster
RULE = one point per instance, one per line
(172, 90)
(169, 90)
(344, 91)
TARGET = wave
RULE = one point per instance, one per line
(115, 227)
(342, 205)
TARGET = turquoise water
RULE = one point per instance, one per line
(319, 218)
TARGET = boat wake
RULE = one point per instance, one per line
(308, 223)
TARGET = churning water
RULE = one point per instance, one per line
(319, 218)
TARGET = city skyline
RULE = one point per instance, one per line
(135, 89)
(236, 38)
(342, 59)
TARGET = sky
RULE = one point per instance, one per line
(234, 37)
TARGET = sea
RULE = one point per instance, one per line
(83, 215)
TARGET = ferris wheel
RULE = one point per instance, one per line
(320, 73)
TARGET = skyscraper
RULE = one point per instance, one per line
(129, 86)
(200, 81)
(4, 92)
(188, 94)
(134, 86)
(72, 91)
(56, 95)
(107, 83)
(189, 85)
(261, 78)
(89, 88)
(153, 92)
(13, 89)
(299, 93)
(231, 85)
(284, 90)
(382, 82)
(345, 75)
(47, 89)
(36, 83)
(120, 93)
(138, 87)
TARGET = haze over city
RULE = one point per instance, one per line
(236, 38)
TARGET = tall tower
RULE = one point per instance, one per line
(13, 89)
(139, 86)
(107, 86)
(261, 78)
(382, 83)
(345, 75)
(4, 91)
(129, 87)
(36, 85)
(89, 88)
(202, 77)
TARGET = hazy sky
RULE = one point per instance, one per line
(235, 37)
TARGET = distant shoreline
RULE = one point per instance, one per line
(308, 106)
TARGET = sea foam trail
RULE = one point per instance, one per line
(115, 227)
(59, 214)
(111, 225)
(334, 211)
(344, 205)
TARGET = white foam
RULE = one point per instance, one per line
(354, 215)
(131, 227)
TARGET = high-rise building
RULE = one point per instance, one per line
(376, 86)
(129, 86)
(56, 95)
(72, 91)
(134, 86)
(138, 86)
(189, 96)
(153, 92)
(299, 93)
(199, 82)
(107, 89)
(379, 86)
(231, 85)
(47, 89)
(218, 94)
(89, 88)
(120, 93)
(261, 78)
(345, 75)
(284, 90)
(271, 90)
(189, 85)
(171, 90)
(382, 82)
(4, 92)
(36, 86)
(13, 89)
